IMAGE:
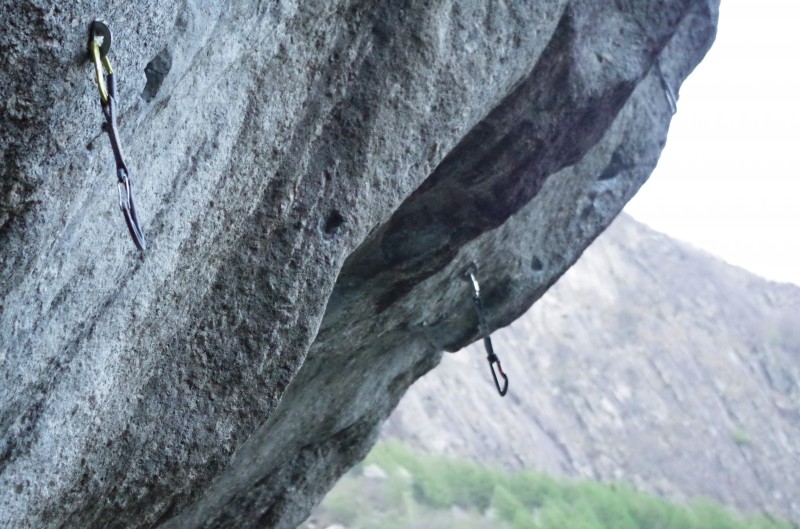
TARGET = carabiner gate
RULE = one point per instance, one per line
(493, 359)
(129, 212)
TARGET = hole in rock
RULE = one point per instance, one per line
(155, 71)
(615, 166)
(333, 222)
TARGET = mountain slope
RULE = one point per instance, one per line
(649, 362)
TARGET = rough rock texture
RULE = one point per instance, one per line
(649, 362)
(311, 182)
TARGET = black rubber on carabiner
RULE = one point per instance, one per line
(492, 359)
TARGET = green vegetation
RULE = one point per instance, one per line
(439, 493)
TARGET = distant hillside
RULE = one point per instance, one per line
(650, 363)
(396, 488)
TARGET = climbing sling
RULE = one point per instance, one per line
(491, 357)
(99, 45)
(668, 92)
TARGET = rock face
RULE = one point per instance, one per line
(649, 362)
(311, 181)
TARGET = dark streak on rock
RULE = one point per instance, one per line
(545, 124)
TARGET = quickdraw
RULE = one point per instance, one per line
(99, 45)
(491, 357)
(668, 92)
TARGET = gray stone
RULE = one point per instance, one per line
(312, 182)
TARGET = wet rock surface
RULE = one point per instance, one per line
(311, 182)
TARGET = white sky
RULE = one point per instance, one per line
(728, 179)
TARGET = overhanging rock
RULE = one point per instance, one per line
(312, 183)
